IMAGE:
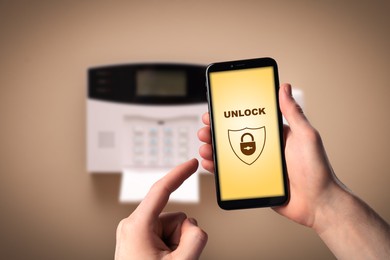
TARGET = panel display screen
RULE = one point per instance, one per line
(162, 83)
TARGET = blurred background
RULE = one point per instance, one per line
(51, 208)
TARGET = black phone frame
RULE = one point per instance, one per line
(249, 202)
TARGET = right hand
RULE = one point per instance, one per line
(347, 225)
(311, 178)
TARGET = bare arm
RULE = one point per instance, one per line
(348, 226)
(351, 229)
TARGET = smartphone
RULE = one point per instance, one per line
(247, 134)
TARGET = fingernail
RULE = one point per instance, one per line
(193, 221)
(287, 89)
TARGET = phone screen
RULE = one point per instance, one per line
(247, 136)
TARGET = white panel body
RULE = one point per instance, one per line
(109, 124)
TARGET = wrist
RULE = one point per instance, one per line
(333, 207)
(350, 228)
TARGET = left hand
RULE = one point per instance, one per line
(149, 234)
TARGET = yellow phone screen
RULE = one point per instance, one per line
(247, 140)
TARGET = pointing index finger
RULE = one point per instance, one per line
(158, 195)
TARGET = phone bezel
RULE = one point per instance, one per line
(250, 202)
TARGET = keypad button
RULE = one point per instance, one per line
(156, 145)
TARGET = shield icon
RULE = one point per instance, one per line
(247, 143)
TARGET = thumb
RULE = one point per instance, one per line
(192, 240)
(291, 110)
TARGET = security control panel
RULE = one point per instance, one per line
(143, 116)
(157, 142)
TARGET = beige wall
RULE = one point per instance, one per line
(338, 53)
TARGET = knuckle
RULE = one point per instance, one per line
(315, 136)
(200, 235)
(312, 134)
(125, 225)
(120, 226)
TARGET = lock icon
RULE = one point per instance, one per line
(247, 148)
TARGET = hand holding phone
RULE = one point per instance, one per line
(247, 133)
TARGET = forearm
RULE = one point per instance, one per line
(351, 229)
